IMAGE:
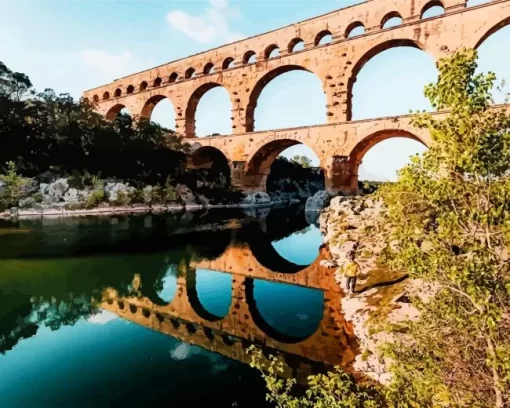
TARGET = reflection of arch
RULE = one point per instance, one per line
(258, 88)
(370, 141)
(371, 53)
(429, 5)
(389, 16)
(151, 103)
(319, 37)
(259, 164)
(194, 297)
(262, 323)
(208, 157)
(353, 26)
(491, 31)
(194, 100)
(114, 111)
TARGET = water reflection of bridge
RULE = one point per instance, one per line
(332, 342)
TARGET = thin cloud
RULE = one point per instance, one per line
(109, 64)
(213, 24)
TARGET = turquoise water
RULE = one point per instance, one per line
(60, 347)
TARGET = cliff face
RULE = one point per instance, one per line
(382, 295)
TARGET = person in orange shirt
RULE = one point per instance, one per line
(352, 271)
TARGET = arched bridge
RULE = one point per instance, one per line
(245, 67)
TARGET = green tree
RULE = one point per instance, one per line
(303, 161)
(450, 210)
(13, 185)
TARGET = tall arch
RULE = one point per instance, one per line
(371, 53)
(114, 111)
(211, 159)
(166, 118)
(495, 28)
(194, 100)
(259, 87)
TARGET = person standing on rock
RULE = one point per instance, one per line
(352, 270)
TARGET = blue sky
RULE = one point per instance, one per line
(73, 45)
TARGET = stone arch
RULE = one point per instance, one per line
(130, 89)
(260, 85)
(228, 63)
(194, 298)
(151, 103)
(96, 98)
(144, 85)
(106, 96)
(429, 5)
(173, 77)
(270, 50)
(495, 28)
(209, 68)
(321, 35)
(208, 157)
(114, 111)
(189, 73)
(117, 93)
(258, 164)
(267, 327)
(349, 31)
(371, 53)
(248, 56)
(389, 16)
(157, 82)
(191, 107)
(293, 43)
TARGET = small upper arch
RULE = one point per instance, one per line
(157, 82)
(96, 98)
(249, 57)
(190, 73)
(228, 63)
(143, 86)
(173, 77)
(354, 29)
(432, 8)
(106, 96)
(117, 93)
(130, 89)
(209, 68)
(391, 19)
(271, 51)
(324, 37)
(296, 44)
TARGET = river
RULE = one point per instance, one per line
(157, 310)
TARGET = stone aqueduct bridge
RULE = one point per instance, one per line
(332, 343)
(341, 143)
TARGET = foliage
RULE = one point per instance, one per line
(95, 198)
(369, 186)
(450, 210)
(303, 161)
(13, 186)
(289, 175)
(335, 389)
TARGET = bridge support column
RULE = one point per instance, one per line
(237, 174)
(343, 175)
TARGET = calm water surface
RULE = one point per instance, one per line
(153, 311)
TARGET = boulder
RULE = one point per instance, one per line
(54, 192)
(147, 194)
(256, 199)
(114, 191)
(318, 201)
(186, 195)
(28, 202)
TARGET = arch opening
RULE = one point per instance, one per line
(166, 288)
(210, 165)
(272, 52)
(117, 93)
(355, 29)
(209, 68)
(286, 313)
(472, 3)
(228, 63)
(114, 111)
(157, 82)
(433, 8)
(106, 96)
(389, 80)
(390, 20)
(324, 37)
(209, 111)
(130, 89)
(249, 57)
(297, 44)
(159, 109)
(277, 102)
(381, 155)
(173, 77)
(96, 98)
(190, 73)
(143, 86)
(490, 47)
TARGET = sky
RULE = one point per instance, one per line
(74, 45)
